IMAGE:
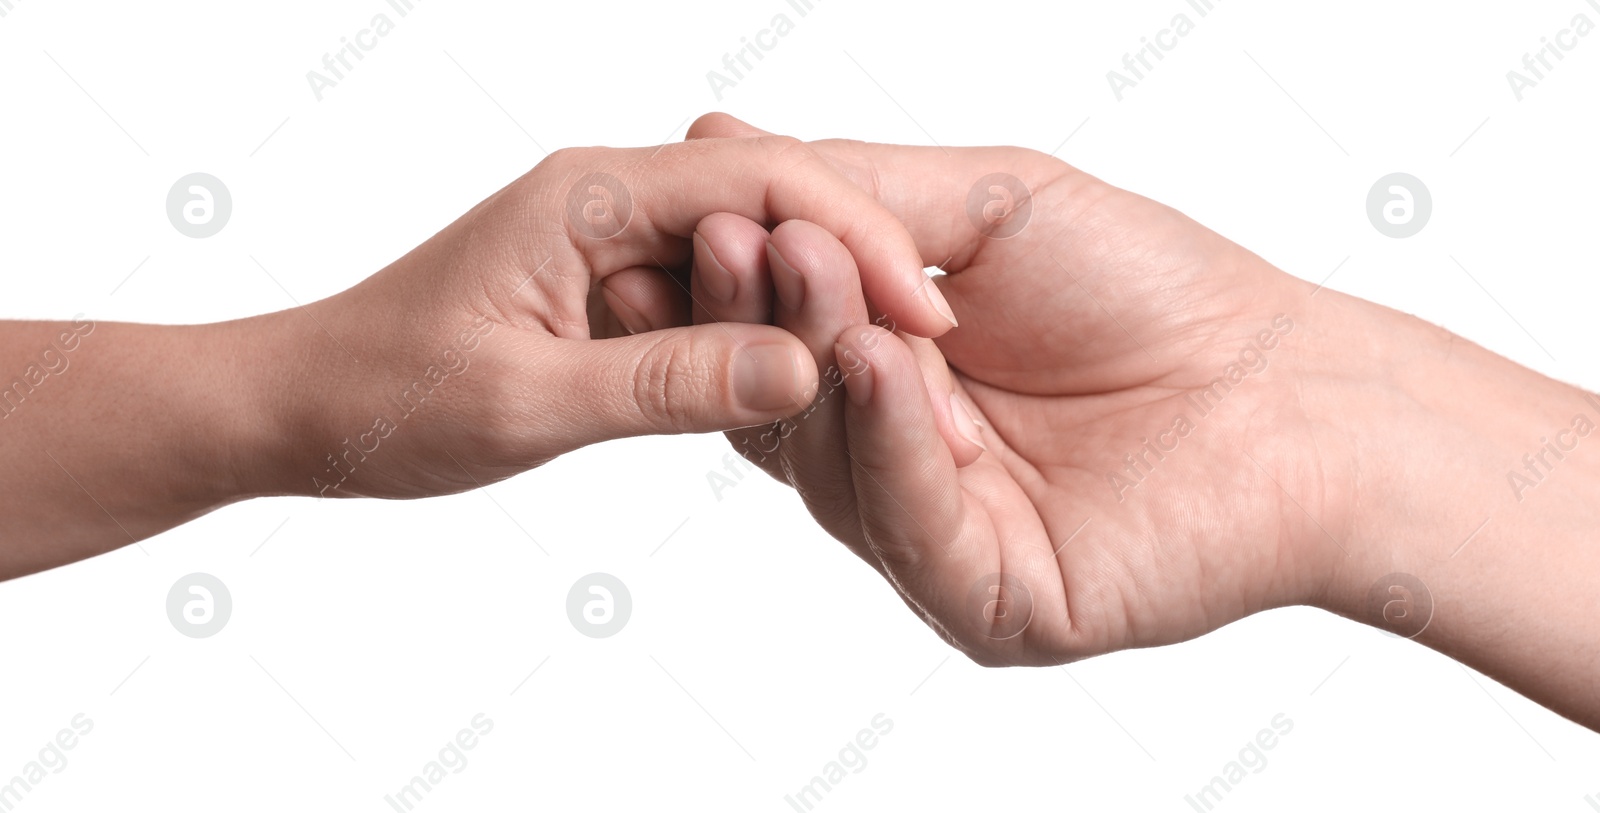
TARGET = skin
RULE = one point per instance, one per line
(469, 360)
(1355, 442)
(1361, 443)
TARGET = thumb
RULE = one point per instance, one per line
(706, 378)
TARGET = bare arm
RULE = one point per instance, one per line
(479, 355)
(112, 433)
(1479, 485)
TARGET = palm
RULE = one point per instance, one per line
(1081, 337)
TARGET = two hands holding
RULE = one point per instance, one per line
(1139, 432)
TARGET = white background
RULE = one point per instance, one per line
(364, 635)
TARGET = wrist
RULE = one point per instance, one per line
(1474, 511)
(270, 429)
(1384, 390)
(333, 416)
(1445, 446)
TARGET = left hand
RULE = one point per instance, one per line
(1081, 337)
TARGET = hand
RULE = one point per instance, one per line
(1177, 435)
(1152, 467)
(471, 359)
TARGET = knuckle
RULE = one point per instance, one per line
(783, 143)
(1046, 170)
(560, 169)
(664, 384)
(851, 158)
(898, 555)
(567, 157)
(1040, 157)
(831, 501)
(838, 515)
(787, 151)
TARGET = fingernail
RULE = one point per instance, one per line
(718, 281)
(766, 377)
(791, 286)
(937, 300)
(857, 374)
(630, 318)
(965, 425)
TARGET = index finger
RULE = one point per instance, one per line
(769, 180)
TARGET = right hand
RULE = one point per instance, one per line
(485, 351)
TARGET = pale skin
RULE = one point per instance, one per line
(1357, 443)
(147, 427)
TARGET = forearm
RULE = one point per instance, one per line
(1481, 479)
(112, 432)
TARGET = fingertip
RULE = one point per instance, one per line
(707, 125)
(918, 307)
(864, 352)
(940, 305)
(967, 445)
(861, 352)
(721, 125)
(630, 319)
(772, 375)
(952, 415)
(731, 269)
(644, 299)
